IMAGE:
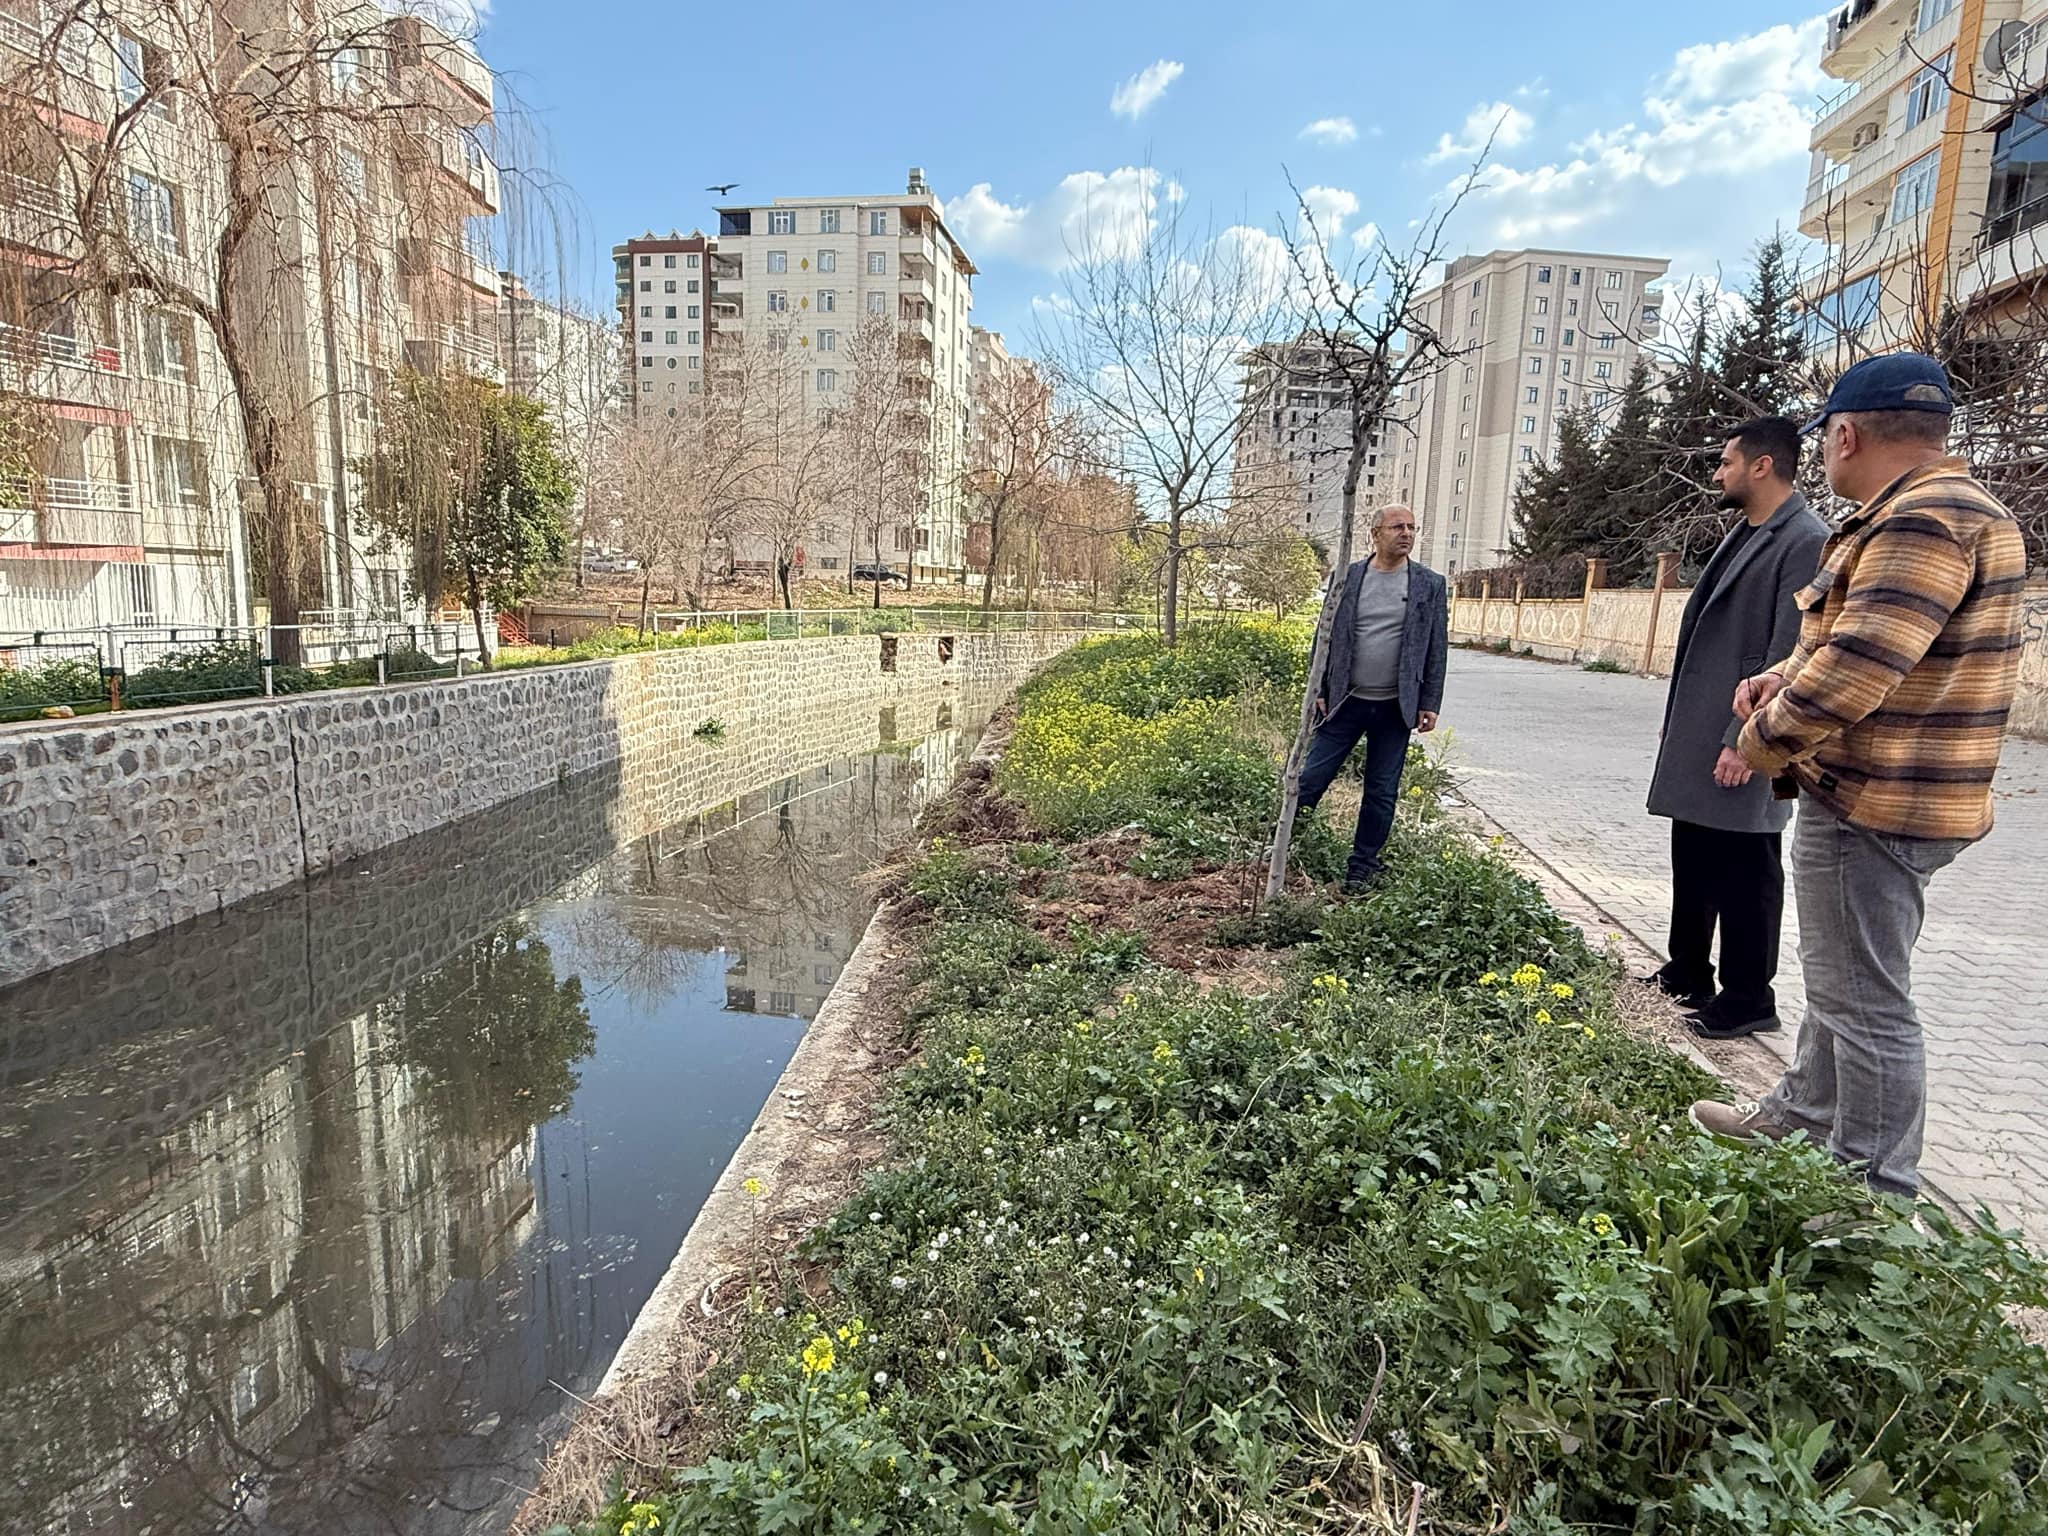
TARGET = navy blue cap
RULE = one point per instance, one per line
(1898, 381)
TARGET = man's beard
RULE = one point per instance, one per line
(1732, 501)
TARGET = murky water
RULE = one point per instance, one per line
(314, 1214)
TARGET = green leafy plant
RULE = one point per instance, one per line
(710, 730)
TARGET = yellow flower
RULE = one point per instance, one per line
(1560, 989)
(973, 1060)
(1542, 1015)
(1486, 1037)
(1084, 1026)
(1496, 841)
(1601, 1223)
(1336, 986)
(1490, 979)
(818, 1356)
(752, 1187)
(1528, 977)
(1162, 1053)
(1587, 1031)
(1200, 1278)
(1415, 793)
(641, 1516)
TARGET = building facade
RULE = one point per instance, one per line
(1927, 187)
(138, 502)
(663, 286)
(801, 274)
(1294, 443)
(1537, 333)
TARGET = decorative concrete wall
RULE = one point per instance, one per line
(118, 826)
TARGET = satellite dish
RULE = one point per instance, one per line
(1998, 47)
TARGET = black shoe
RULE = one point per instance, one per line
(1714, 1022)
(1691, 1001)
(1365, 886)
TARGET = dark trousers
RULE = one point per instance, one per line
(1735, 879)
(1379, 721)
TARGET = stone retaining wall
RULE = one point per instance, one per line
(117, 827)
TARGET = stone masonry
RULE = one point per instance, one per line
(123, 825)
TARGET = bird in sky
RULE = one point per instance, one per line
(722, 191)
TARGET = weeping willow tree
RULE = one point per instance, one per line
(473, 482)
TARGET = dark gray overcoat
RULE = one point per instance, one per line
(1747, 621)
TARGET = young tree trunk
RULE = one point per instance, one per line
(1170, 630)
(476, 613)
(646, 584)
(1305, 725)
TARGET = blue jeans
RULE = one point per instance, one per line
(1380, 722)
(1858, 1081)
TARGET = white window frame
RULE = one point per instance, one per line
(878, 221)
(828, 380)
(828, 221)
(781, 221)
(878, 263)
(778, 261)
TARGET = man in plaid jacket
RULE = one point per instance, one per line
(1888, 717)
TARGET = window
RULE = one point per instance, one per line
(2019, 181)
(177, 473)
(828, 301)
(1570, 335)
(1610, 279)
(646, 261)
(1564, 369)
(878, 263)
(1528, 454)
(695, 385)
(668, 285)
(343, 68)
(1543, 276)
(1531, 395)
(1571, 306)
(1528, 423)
(1466, 404)
(1607, 340)
(828, 380)
(1576, 274)
(828, 261)
(1543, 306)
(1464, 429)
(1535, 365)
(1913, 192)
(690, 312)
(878, 304)
(781, 221)
(695, 360)
(153, 211)
(669, 262)
(355, 175)
(1927, 91)
(647, 338)
(646, 286)
(828, 221)
(1603, 370)
(167, 345)
(778, 261)
(646, 311)
(1564, 397)
(669, 312)
(671, 362)
(690, 261)
(1600, 397)
(1536, 336)
(1651, 314)
(669, 338)
(689, 285)
(778, 301)
(878, 223)
(1475, 288)
(1932, 11)
(1473, 318)
(696, 338)
(647, 386)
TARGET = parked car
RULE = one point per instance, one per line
(610, 564)
(878, 573)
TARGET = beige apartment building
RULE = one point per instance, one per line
(140, 505)
(1539, 333)
(802, 273)
(663, 285)
(1929, 184)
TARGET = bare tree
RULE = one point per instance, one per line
(795, 478)
(1023, 449)
(1156, 320)
(647, 483)
(1364, 334)
(885, 437)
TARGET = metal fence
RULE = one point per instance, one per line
(139, 666)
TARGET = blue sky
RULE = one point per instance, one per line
(1654, 129)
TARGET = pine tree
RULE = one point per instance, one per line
(1764, 350)
(1558, 501)
(1633, 481)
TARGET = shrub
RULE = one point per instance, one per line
(26, 691)
(1604, 664)
(223, 669)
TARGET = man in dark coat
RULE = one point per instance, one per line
(1383, 678)
(1726, 866)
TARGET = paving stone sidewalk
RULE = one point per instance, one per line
(1561, 758)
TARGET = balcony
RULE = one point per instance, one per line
(32, 39)
(464, 160)
(2010, 250)
(1862, 33)
(1843, 186)
(419, 258)
(99, 514)
(473, 351)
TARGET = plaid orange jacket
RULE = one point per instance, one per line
(1896, 697)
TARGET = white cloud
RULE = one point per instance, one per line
(1734, 109)
(1331, 130)
(1329, 207)
(1145, 87)
(1506, 126)
(1110, 211)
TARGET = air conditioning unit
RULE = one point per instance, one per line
(1867, 135)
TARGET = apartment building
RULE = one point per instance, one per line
(1929, 183)
(1538, 333)
(663, 287)
(141, 505)
(571, 363)
(1294, 442)
(802, 273)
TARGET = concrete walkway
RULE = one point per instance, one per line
(1561, 758)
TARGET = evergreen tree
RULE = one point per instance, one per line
(1764, 350)
(1634, 483)
(1558, 500)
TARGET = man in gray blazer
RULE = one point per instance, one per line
(1726, 867)
(1383, 677)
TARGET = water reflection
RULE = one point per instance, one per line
(315, 1208)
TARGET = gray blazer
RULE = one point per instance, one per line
(1748, 622)
(1425, 640)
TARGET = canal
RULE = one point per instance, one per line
(319, 1212)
